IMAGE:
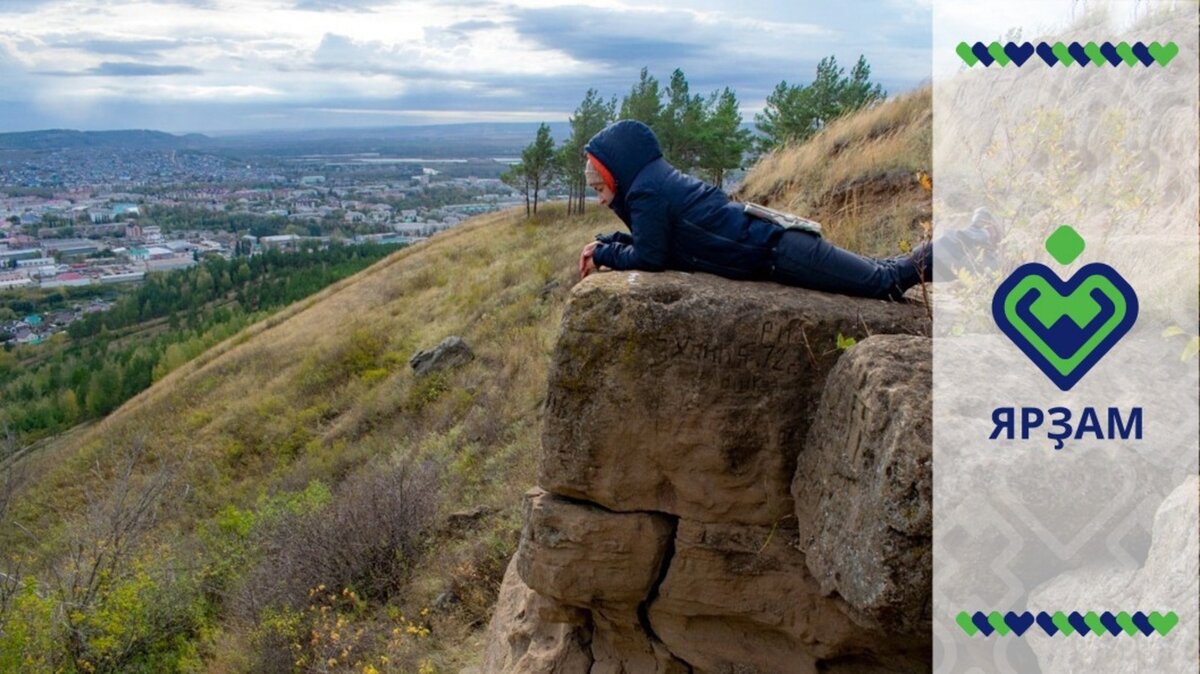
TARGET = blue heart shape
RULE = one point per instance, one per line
(1110, 621)
(1077, 52)
(1110, 53)
(1142, 54)
(1078, 623)
(980, 51)
(1046, 622)
(981, 621)
(1065, 339)
(1047, 53)
(1139, 618)
(1018, 54)
(1018, 623)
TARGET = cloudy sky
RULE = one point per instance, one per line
(226, 65)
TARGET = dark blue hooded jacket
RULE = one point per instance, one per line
(676, 221)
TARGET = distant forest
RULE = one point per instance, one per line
(108, 357)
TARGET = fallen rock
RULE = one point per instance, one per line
(582, 555)
(451, 352)
(531, 634)
(690, 394)
(863, 484)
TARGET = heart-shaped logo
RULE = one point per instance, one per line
(1163, 53)
(1060, 50)
(1047, 53)
(1110, 53)
(1078, 53)
(1126, 53)
(1018, 623)
(964, 52)
(1093, 623)
(1018, 53)
(1046, 622)
(1142, 54)
(1078, 623)
(964, 621)
(1093, 52)
(1065, 327)
(997, 53)
(980, 51)
(1143, 623)
(1163, 623)
(1061, 621)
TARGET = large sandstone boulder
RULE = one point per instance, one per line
(691, 395)
(863, 484)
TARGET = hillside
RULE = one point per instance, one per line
(58, 139)
(204, 524)
(859, 177)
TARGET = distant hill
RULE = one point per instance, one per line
(58, 139)
(432, 141)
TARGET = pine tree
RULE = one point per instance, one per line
(538, 160)
(592, 115)
(682, 124)
(724, 141)
(795, 112)
(644, 102)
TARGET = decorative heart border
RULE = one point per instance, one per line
(1037, 351)
(1072, 623)
(1102, 54)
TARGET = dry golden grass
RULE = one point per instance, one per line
(324, 387)
(858, 176)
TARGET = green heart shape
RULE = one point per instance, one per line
(1079, 306)
(964, 618)
(1163, 623)
(1126, 623)
(1093, 621)
(1163, 53)
(964, 52)
(997, 621)
(1093, 51)
(1126, 54)
(997, 52)
(1060, 50)
(1060, 621)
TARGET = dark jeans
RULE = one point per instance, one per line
(808, 261)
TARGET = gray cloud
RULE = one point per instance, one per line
(338, 5)
(610, 36)
(110, 46)
(470, 26)
(126, 69)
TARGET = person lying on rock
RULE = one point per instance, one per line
(678, 222)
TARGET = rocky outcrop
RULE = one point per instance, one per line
(450, 352)
(695, 495)
(690, 394)
(863, 486)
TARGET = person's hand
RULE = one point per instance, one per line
(586, 264)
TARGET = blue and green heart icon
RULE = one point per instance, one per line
(1065, 327)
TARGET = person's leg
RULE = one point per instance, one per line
(808, 261)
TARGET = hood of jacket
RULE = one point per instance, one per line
(625, 148)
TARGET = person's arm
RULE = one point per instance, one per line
(615, 237)
(649, 220)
